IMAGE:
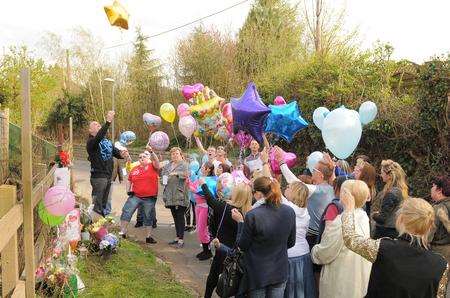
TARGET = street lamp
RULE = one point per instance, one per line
(112, 81)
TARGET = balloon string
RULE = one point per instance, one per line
(175, 134)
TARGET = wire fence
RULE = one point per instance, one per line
(4, 150)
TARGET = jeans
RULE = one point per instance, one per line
(214, 272)
(272, 291)
(101, 194)
(140, 215)
(178, 218)
(189, 210)
(133, 203)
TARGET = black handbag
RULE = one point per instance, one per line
(231, 276)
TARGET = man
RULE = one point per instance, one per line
(209, 155)
(142, 190)
(101, 152)
(440, 195)
(253, 161)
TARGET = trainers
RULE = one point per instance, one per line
(173, 242)
(180, 245)
(187, 228)
(206, 256)
(150, 240)
(123, 235)
(201, 254)
(138, 224)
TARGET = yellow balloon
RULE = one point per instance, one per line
(117, 15)
(167, 112)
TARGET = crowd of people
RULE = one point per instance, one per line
(338, 231)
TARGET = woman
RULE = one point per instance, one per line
(224, 228)
(201, 212)
(394, 192)
(402, 267)
(300, 283)
(175, 192)
(344, 273)
(221, 156)
(223, 168)
(364, 171)
(269, 230)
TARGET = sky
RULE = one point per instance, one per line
(417, 29)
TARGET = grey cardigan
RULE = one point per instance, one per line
(175, 192)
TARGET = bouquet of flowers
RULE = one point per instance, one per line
(62, 159)
(105, 243)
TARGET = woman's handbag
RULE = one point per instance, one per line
(230, 278)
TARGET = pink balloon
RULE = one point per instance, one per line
(187, 125)
(226, 112)
(183, 110)
(151, 119)
(159, 141)
(239, 177)
(243, 139)
(59, 200)
(289, 158)
(188, 91)
(279, 100)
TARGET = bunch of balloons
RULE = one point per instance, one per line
(57, 203)
(342, 127)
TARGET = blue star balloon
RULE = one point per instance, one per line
(249, 113)
(285, 120)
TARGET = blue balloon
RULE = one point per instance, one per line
(211, 182)
(285, 120)
(127, 137)
(194, 166)
(367, 112)
(341, 132)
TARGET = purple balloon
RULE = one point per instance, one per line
(243, 139)
(159, 141)
(249, 113)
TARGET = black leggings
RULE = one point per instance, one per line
(213, 276)
(178, 218)
(189, 210)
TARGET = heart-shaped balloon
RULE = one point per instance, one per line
(151, 120)
(289, 158)
(279, 100)
(189, 91)
(341, 132)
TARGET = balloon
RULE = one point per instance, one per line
(183, 110)
(200, 110)
(279, 100)
(226, 112)
(319, 115)
(127, 137)
(289, 158)
(159, 141)
(59, 200)
(187, 126)
(119, 146)
(117, 15)
(313, 159)
(367, 112)
(226, 182)
(341, 132)
(167, 112)
(152, 120)
(194, 167)
(249, 113)
(243, 139)
(285, 120)
(47, 218)
(211, 182)
(239, 177)
(189, 91)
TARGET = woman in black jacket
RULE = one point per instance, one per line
(389, 199)
(269, 230)
(223, 228)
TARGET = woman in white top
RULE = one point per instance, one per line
(344, 273)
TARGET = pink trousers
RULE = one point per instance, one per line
(201, 214)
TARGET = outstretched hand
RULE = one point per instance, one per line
(110, 116)
(347, 200)
(279, 155)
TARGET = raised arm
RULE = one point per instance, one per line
(200, 145)
(154, 158)
(210, 200)
(265, 160)
(290, 177)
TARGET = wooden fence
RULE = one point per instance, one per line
(4, 148)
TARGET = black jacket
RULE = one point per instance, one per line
(389, 206)
(101, 152)
(267, 234)
(402, 269)
(228, 230)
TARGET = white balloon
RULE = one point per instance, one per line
(319, 115)
(341, 132)
(367, 112)
(313, 159)
(187, 125)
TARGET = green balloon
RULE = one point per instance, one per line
(48, 218)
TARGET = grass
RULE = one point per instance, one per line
(132, 272)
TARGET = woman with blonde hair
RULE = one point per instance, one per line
(388, 201)
(344, 273)
(403, 267)
(223, 228)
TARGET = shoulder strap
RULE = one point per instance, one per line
(221, 220)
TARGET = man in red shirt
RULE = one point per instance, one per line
(142, 189)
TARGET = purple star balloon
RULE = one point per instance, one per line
(249, 113)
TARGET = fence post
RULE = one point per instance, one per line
(72, 183)
(27, 184)
(10, 254)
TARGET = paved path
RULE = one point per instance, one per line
(185, 266)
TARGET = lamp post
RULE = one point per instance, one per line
(112, 81)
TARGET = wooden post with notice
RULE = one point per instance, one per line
(27, 184)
